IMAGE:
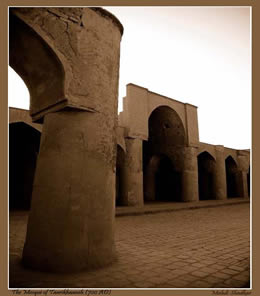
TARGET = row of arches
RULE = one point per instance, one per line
(163, 182)
(162, 163)
(162, 153)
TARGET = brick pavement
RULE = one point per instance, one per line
(207, 247)
(159, 207)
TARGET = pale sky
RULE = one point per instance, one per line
(197, 55)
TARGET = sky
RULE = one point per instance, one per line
(197, 55)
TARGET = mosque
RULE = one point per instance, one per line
(73, 159)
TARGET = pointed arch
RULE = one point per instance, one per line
(206, 167)
(166, 127)
(162, 158)
(231, 177)
(207, 153)
(36, 63)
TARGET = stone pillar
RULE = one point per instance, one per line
(71, 223)
(220, 183)
(149, 178)
(242, 185)
(190, 175)
(133, 172)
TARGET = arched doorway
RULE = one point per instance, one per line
(231, 177)
(163, 181)
(32, 58)
(206, 165)
(120, 159)
(167, 181)
(162, 157)
(24, 143)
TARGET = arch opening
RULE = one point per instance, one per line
(167, 181)
(206, 168)
(162, 180)
(24, 143)
(165, 129)
(231, 177)
(18, 96)
(36, 63)
(162, 157)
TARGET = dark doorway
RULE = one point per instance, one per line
(231, 177)
(162, 157)
(167, 181)
(162, 182)
(206, 164)
(24, 143)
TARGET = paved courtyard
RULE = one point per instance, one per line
(207, 247)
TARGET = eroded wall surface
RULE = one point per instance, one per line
(69, 60)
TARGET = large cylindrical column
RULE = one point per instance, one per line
(220, 185)
(133, 172)
(190, 175)
(71, 223)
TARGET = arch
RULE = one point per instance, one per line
(36, 63)
(120, 162)
(162, 154)
(207, 152)
(35, 126)
(166, 127)
(19, 91)
(232, 157)
(24, 143)
(206, 168)
(231, 177)
(167, 105)
(22, 115)
(120, 145)
(162, 181)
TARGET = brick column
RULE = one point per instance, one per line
(242, 185)
(190, 175)
(220, 184)
(71, 223)
(133, 172)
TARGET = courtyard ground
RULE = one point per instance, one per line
(199, 248)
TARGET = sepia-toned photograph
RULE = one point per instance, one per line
(129, 147)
